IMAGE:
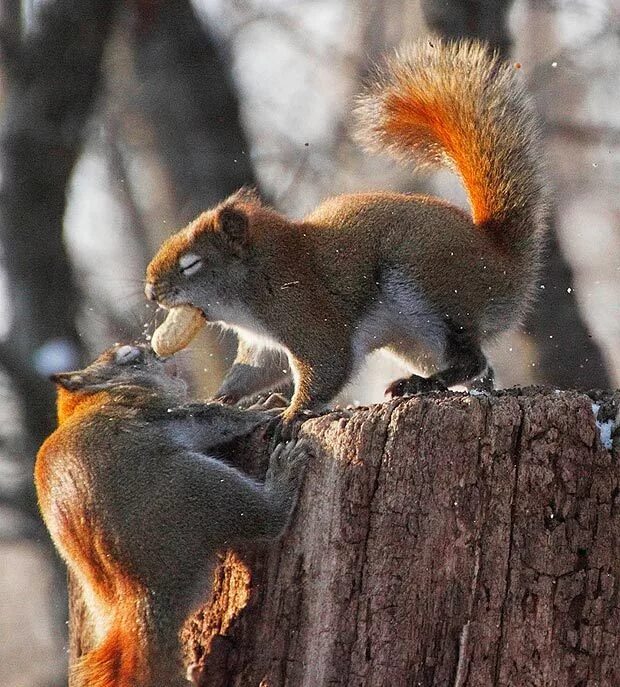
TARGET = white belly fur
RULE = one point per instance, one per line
(401, 313)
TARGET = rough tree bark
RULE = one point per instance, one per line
(442, 540)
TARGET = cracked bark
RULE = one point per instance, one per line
(441, 540)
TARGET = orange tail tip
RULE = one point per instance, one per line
(114, 663)
(457, 104)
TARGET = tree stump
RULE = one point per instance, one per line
(448, 539)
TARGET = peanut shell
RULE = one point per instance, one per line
(181, 325)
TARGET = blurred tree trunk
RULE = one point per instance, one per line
(187, 93)
(483, 19)
(52, 80)
(442, 540)
(53, 76)
(566, 354)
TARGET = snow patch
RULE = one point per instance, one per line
(55, 355)
(605, 429)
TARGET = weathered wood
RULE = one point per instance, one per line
(449, 540)
(442, 540)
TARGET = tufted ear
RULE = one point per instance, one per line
(246, 194)
(68, 380)
(233, 223)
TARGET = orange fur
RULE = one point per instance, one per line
(117, 660)
(173, 248)
(457, 104)
(70, 402)
(176, 245)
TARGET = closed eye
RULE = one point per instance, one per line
(127, 354)
(189, 264)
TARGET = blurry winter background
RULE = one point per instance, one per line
(121, 120)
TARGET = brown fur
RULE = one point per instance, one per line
(138, 509)
(369, 270)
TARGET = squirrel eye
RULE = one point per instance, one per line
(127, 354)
(190, 263)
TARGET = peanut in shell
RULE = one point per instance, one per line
(181, 325)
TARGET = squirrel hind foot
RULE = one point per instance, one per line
(410, 386)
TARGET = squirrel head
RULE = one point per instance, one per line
(121, 370)
(206, 262)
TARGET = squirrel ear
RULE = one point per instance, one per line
(68, 380)
(246, 194)
(233, 223)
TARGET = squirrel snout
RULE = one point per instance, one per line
(150, 291)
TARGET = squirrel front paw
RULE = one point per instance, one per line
(286, 427)
(286, 464)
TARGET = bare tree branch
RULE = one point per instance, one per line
(188, 95)
(50, 91)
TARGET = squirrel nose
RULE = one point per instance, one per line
(150, 291)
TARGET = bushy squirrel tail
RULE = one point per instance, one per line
(457, 104)
(116, 661)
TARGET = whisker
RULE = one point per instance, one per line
(127, 280)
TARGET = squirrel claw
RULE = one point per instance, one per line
(226, 399)
(279, 431)
(286, 428)
(287, 461)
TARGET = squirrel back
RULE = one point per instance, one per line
(458, 105)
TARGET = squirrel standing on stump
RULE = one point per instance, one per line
(410, 273)
(138, 510)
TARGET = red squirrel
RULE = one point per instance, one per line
(410, 273)
(138, 509)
